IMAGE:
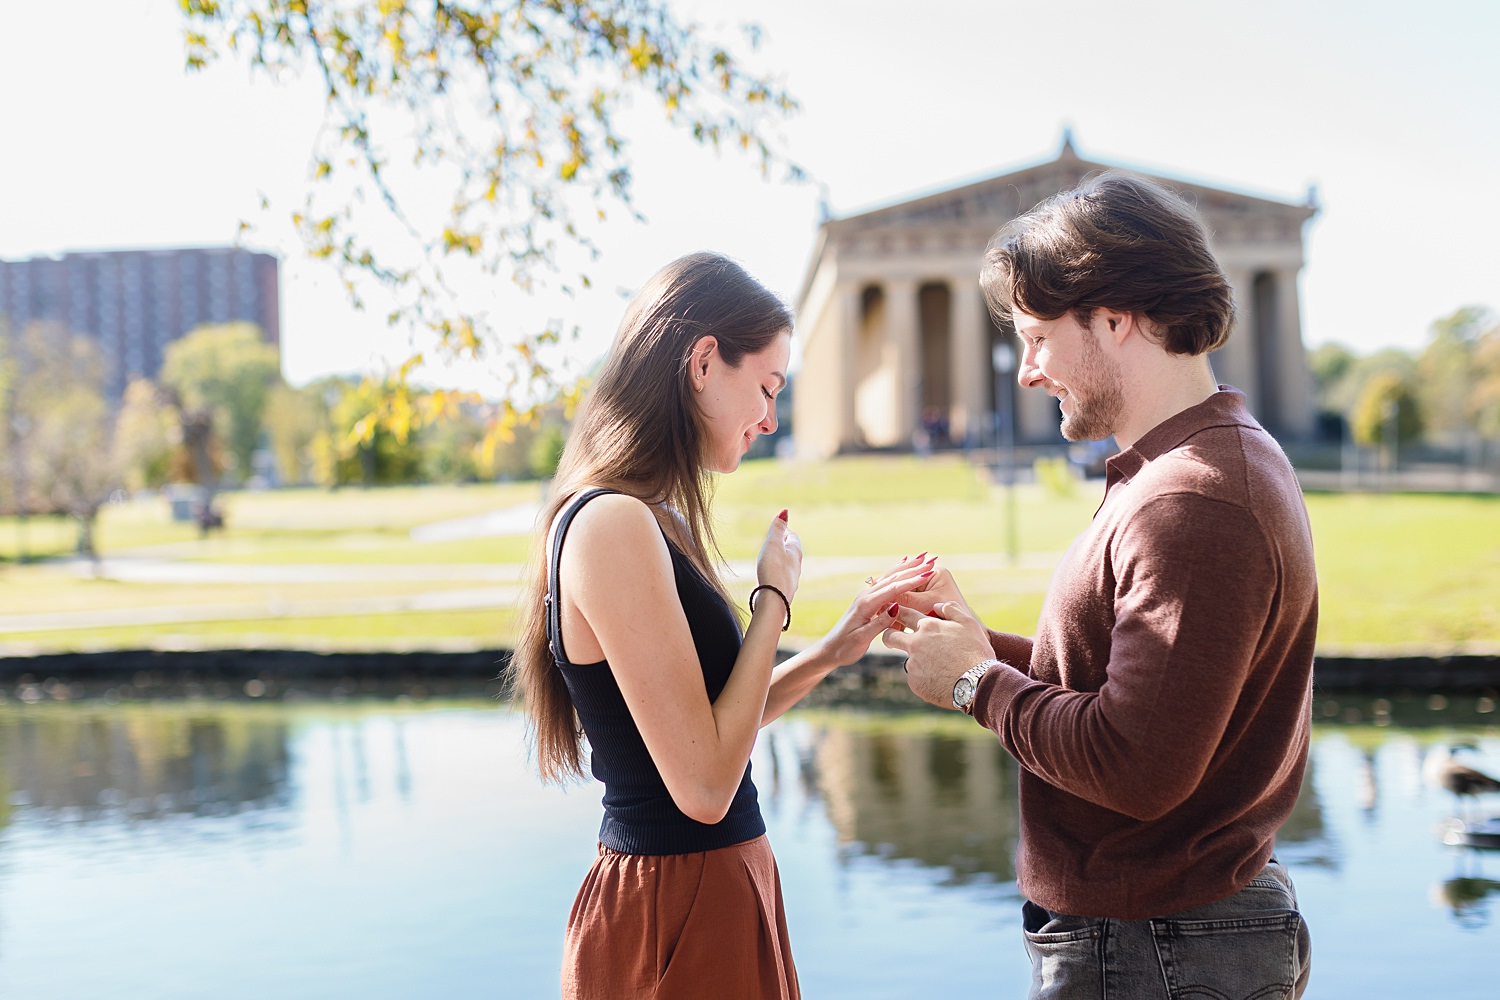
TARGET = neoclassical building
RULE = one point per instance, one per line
(895, 333)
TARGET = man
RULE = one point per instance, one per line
(1162, 711)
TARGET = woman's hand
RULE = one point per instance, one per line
(940, 588)
(780, 562)
(873, 611)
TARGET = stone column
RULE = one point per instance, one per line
(1234, 363)
(849, 319)
(903, 326)
(1297, 406)
(1036, 415)
(968, 360)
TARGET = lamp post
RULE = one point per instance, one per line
(20, 424)
(1003, 358)
(1390, 412)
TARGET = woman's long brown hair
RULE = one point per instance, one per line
(639, 432)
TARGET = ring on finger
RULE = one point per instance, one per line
(870, 580)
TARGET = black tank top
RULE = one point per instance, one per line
(639, 814)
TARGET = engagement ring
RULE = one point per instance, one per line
(870, 580)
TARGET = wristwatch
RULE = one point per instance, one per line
(968, 683)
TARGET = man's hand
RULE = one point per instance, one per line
(939, 647)
(940, 588)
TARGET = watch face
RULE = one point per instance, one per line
(963, 691)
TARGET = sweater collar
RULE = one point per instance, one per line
(1225, 408)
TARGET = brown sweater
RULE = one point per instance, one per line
(1161, 715)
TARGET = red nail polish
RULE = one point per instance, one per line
(893, 609)
(924, 552)
(782, 515)
(925, 575)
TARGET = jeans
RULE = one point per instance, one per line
(1253, 945)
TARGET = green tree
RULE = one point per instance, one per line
(1386, 396)
(452, 445)
(508, 455)
(65, 458)
(546, 451)
(509, 107)
(1447, 374)
(1345, 395)
(367, 449)
(1486, 376)
(1329, 365)
(10, 500)
(229, 371)
(147, 436)
(295, 419)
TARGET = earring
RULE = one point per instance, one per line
(699, 385)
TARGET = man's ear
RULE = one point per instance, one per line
(1118, 326)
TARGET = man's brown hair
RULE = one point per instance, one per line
(1117, 241)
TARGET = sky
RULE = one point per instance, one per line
(1392, 110)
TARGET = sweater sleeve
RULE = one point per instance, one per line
(1012, 649)
(1194, 581)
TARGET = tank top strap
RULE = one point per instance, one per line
(554, 607)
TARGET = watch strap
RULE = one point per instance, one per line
(973, 675)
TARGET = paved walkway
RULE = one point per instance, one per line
(502, 586)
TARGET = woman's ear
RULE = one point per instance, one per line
(700, 356)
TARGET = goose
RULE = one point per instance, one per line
(1446, 771)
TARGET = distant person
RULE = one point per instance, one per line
(934, 432)
(631, 634)
(1161, 713)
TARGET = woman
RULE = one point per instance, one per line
(631, 633)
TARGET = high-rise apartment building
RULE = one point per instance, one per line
(136, 302)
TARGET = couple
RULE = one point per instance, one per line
(1160, 715)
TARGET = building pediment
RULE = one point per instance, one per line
(992, 202)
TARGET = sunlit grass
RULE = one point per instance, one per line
(1407, 572)
(1419, 571)
(393, 549)
(311, 519)
(33, 590)
(477, 629)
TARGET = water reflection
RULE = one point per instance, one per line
(944, 796)
(182, 845)
(941, 799)
(415, 853)
(1468, 897)
(85, 763)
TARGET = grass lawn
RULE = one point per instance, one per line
(1414, 571)
(1408, 572)
(424, 630)
(301, 521)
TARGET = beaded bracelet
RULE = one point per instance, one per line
(778, 593)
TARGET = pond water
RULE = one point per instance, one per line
(399, 849)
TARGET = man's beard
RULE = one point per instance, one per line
(1100, 398)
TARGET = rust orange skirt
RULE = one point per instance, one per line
(683, 926)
